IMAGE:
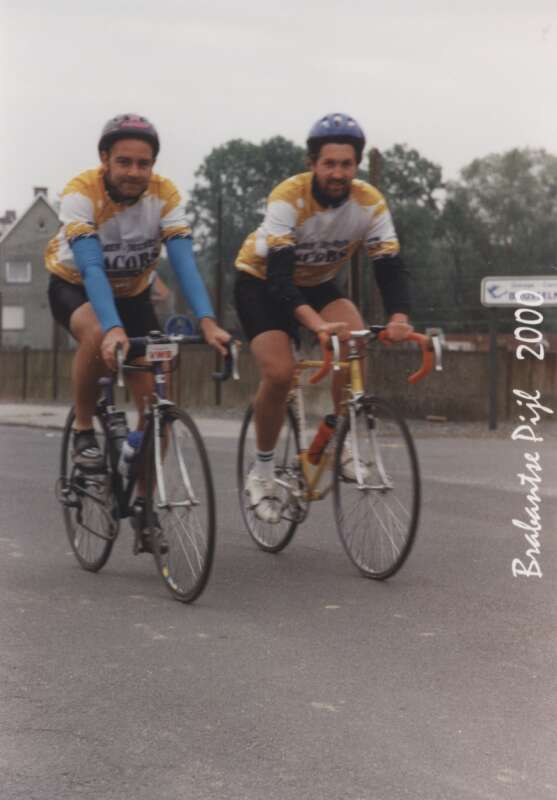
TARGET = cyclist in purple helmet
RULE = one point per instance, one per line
(313, 223)
(115, 219)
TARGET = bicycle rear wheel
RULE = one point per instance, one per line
(180, 507)
(376, 511)
(273, 536)
(89, 506)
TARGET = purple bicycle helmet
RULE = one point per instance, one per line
(129, 126)
(336, 128)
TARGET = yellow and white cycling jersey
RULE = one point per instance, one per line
(323, 238)
(131, 236)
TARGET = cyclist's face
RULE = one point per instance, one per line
(334, 169)
(128, 167)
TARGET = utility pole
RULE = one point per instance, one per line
(374, 166)
(55, 364)
(354, 279)
(355, 274)
(218, 287)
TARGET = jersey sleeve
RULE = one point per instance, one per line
(279, 224)
(281, 217)
(77, 211)
(88, 257)
(381, 239)
(173, 212)
(182, 261)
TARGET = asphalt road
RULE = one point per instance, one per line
(291, 678)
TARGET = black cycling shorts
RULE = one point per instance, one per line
(258, 314)
(137, 313)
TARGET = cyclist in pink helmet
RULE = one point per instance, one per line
(115, 219)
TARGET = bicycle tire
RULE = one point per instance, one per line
(186, 524)
(89, 506)
(272, 537)
(377, 519)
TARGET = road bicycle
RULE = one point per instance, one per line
(171, 460)
(369, 463)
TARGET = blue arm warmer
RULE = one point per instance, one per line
(88, 256)
(182, 260)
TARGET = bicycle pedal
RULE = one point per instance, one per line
(65, 495)
(138, 548)
(69, 503)
(87, 471)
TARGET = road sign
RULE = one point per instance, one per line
(517, 290)
(179, 325)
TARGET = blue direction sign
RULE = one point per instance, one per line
(517, 290)
(179, 324)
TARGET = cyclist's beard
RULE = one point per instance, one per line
(342, 195)
(117, 196)
(322, 195)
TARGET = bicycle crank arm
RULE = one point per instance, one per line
(109, 538)
(381, 487)
(179, 504)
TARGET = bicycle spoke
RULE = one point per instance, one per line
(181, 499)
(91, 527)
(377, 519)
(176, 530)
(272, 536)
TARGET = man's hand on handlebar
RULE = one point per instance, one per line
(112, 338)
(214, 335)
(398, 327)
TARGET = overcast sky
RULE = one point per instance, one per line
(456, 80)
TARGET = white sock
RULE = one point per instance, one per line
(265, 465)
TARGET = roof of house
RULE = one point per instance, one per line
(40, 198)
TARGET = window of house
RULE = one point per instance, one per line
(18, 272)
(13, 318)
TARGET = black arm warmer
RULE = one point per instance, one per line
(393, 281)
(280, 285)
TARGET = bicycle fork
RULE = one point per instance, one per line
(163, 503)
(377, 459)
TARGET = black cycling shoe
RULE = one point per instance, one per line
(143, 538)
(86, 451)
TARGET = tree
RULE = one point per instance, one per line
(409, 179)
(413, 187)
(236, 178)
(499, 219)
(514, 195)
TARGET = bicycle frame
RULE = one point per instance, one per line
(156, 407)
(353, 394)
(123, 488)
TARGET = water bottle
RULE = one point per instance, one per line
(324, 432)
(128, 452)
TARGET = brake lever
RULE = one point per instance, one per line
(335, 344)
(120, 358)
(438, 350)
(230, 366)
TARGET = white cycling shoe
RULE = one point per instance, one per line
(348, 465)
(263, 497)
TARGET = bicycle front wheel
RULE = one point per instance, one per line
(273, 536)
(376, 489)
(89, 505)
(180, 507)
